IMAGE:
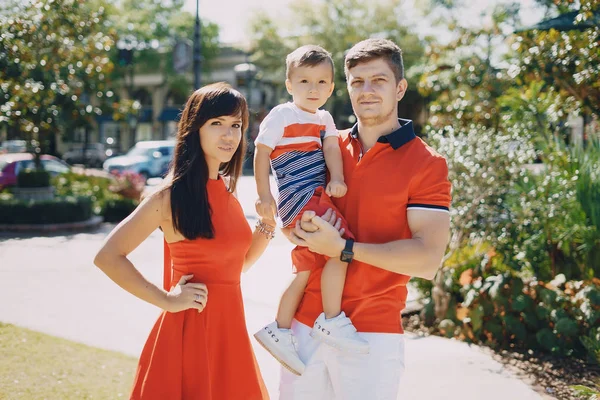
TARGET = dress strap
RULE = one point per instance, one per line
(168, 270)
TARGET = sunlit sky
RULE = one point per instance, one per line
(232, 15)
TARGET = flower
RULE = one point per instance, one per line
(128, 184)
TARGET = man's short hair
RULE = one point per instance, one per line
(307, 56)
(372, 49)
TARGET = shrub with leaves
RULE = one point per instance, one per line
(96, 188)
(503, 310)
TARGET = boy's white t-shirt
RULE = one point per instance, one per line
(277, 129)
(297, 159)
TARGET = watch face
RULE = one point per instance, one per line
(346, 256)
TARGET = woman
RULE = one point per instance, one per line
(198, 349)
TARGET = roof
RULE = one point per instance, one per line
(565, 22)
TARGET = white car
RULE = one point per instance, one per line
(147, 158)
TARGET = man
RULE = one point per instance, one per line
(397, 208)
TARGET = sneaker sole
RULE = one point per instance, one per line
(330, 342)
(292, 370)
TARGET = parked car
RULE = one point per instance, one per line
(13, 146)
(147, 158)
(95, 155)
(12, 164)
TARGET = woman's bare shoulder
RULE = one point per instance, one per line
(161, 198)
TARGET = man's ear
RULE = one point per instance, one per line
(401, 89)
(288, 86)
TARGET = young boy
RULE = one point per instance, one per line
(300, 143)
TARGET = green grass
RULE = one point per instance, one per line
(38, 366)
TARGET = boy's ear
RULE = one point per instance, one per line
(331, 89)
(288, 86)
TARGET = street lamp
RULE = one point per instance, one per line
(197, 56)
(132, 120)
(85, 101)
(127, 45)
(244, 76)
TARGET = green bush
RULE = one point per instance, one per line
(62, 210)
(96, 188)
(99, 189)
(33, 178)
(548, 232)
(525, 247)
(115, 210)
(587, 162)
(505, 311)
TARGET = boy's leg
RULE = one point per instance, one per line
(314, 384)
(332, 286)
(276, 337)
(291, 299)
(373, 376)
(333, 326)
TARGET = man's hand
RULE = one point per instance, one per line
(336, 188)
(266, 207)
(326, 239)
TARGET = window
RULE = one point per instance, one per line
(165, 151)
(54, 167)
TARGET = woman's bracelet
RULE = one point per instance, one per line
(265, 229)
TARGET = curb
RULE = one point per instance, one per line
(90, 223)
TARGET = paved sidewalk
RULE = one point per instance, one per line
(49, 284)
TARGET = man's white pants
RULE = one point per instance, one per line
(331, 374)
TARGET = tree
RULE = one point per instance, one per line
(335, 25)
(269, 47)
(154, 26)
(568, 60)
(54, 66)
(465, 77)
(161, 23)
(462, 79)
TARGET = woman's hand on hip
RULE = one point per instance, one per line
(184, 296)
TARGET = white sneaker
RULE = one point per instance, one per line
(281, 343)
(339, 332)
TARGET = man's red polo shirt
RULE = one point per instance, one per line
(399, 173)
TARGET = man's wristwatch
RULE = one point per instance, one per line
(347, 254)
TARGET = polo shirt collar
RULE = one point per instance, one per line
(396, 139)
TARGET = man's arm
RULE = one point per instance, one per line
(419, 256)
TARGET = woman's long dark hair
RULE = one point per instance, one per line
(188, 173)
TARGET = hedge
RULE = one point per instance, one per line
(33, 178)
(60, 210)
(118, 209)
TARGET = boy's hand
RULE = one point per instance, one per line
(336, 189)
(266, 207)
